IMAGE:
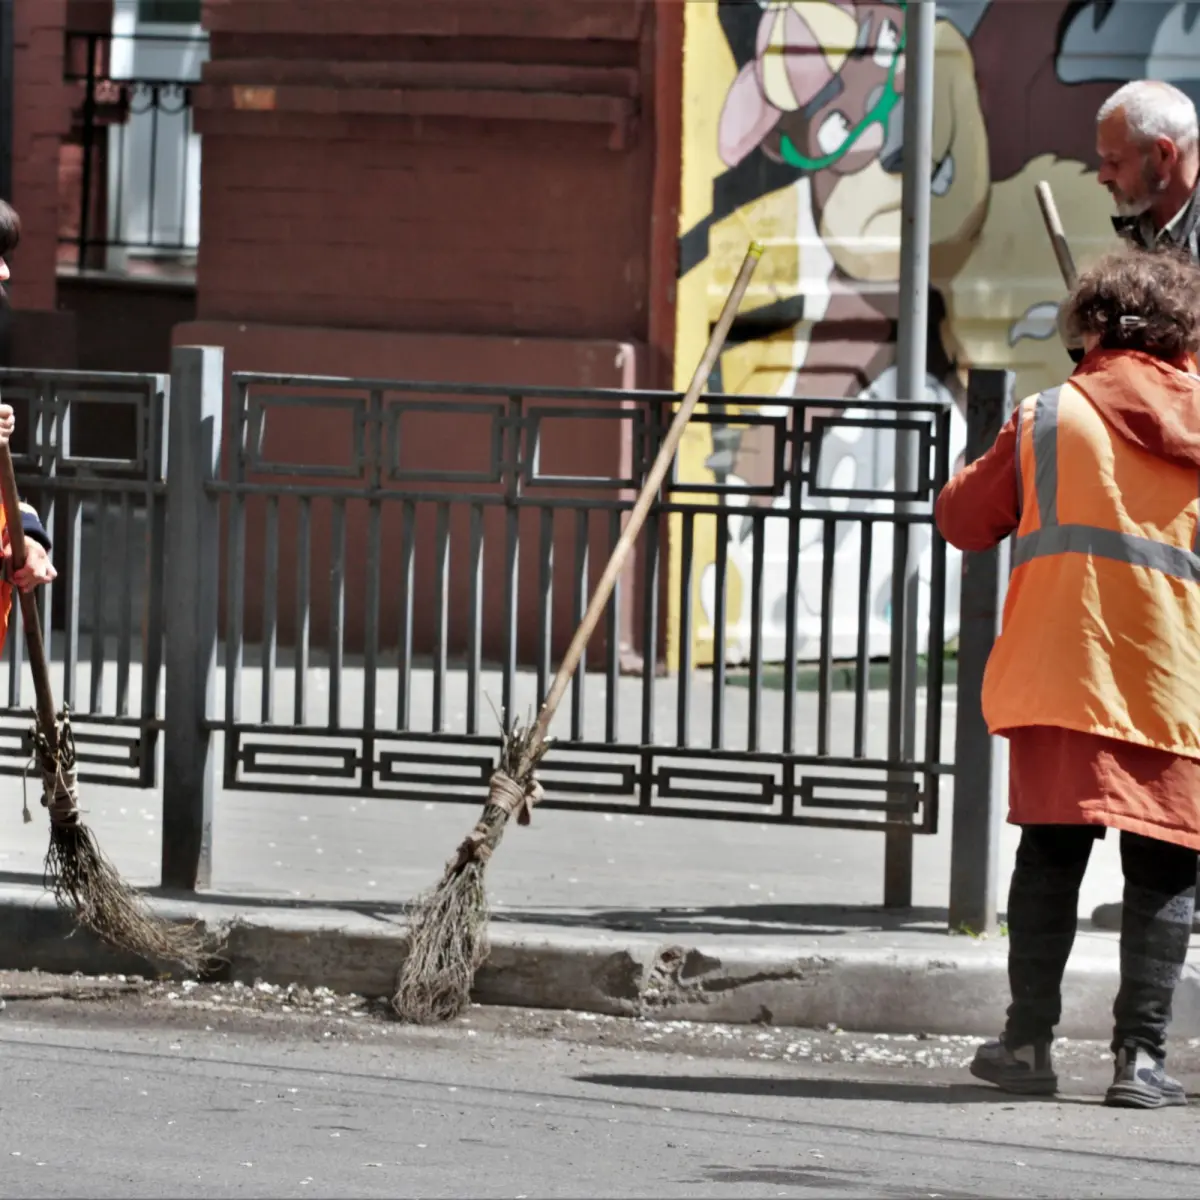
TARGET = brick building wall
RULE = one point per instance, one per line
(429, 167)
(468, 191)
(42, 336)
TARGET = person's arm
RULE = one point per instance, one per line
(38, 568)
(980, 506)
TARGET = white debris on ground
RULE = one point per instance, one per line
(260, 996)
(822, 1046)
(356, 1015)
(327, 1015)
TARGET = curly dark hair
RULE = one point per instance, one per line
(1147, 300)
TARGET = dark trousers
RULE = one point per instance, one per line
(1156, 926)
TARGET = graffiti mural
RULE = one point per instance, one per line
(793, 118)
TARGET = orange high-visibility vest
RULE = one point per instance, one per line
(1101, 628)
(6, 588)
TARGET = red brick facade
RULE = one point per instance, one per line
(437, 167)
(41, 117)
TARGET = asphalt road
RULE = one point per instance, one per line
(223, 1092)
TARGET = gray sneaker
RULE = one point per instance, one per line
(1025, 1070)
(1139, 1081)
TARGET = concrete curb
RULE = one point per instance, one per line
(842, 676)
(958, 987)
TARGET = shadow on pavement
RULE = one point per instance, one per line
(383, 910)
(770, 920)
(796, 1088)
(752, 920)
(756, 920)
(827, 1179)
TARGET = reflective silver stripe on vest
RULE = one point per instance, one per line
(1108, 543)
(1053, 538)
(1045, 456)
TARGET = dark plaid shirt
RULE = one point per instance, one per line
(1182, 231)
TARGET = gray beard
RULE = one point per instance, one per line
(1132, 208)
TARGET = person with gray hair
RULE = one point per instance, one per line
(1148, 144)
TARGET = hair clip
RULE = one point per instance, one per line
(1130, 322)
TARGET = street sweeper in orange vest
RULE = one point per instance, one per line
(37, 569)
(1095, 678)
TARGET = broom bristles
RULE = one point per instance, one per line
(447, 939)
(447, 944)
(89, 887)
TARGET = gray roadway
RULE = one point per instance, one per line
(130, 1100)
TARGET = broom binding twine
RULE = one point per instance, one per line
(507, 795)
(517, 801)
(60, 782)
(60, 778)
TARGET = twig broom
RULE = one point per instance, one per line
(447, 940)
(84, 882)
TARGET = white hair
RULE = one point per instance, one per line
(1154, 110)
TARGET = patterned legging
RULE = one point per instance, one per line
(1156, 925)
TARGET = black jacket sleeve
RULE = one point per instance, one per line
(32, 524)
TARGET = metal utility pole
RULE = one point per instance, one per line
(910, 385)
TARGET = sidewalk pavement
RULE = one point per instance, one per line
(619, 914)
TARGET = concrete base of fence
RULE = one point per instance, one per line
(863, 981)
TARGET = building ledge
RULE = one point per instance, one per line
(149, 275)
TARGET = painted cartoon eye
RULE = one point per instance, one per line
(832, 134)
(887, 43)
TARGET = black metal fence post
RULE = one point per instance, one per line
(979, 765)
(193, 570)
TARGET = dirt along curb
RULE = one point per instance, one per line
(886, 983)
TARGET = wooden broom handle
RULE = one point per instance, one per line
(641, 508)
(1058, 239)
(29, 607)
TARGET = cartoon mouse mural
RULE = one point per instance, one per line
(810, 151)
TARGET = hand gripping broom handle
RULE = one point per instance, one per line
(29, 608)
(1058, 239)
(637, 517)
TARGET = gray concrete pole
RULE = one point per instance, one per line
(910, 385)
(980, 760)
(192, 599)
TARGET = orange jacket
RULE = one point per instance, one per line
(33, 531)
(6, 588)
(1102, 621)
